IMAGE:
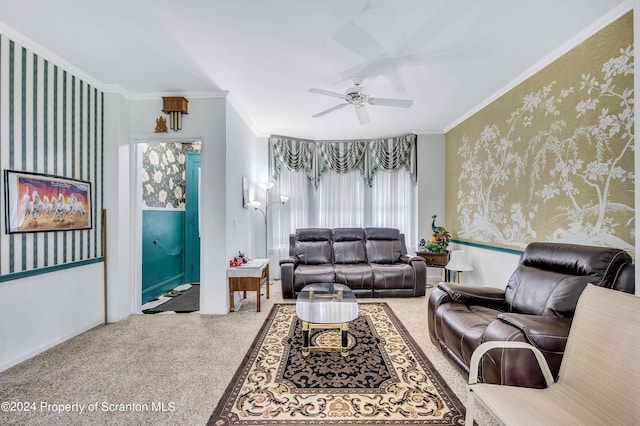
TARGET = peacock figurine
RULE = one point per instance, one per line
(440, 237)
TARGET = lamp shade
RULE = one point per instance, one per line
(266, 185)
(255, 204)
(284, 199)
(458, 261)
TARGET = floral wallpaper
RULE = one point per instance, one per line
(163, 174)
(552, 160)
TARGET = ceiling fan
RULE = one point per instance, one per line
(354, 96)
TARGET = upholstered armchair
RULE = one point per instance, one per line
(536, 307)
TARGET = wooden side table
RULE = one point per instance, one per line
(249, 277)
(437, 260)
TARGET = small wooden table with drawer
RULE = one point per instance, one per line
(436, 260)
(249, 277)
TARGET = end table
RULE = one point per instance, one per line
(249, 277)
(436, 260)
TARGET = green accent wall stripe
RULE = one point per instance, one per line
(23, 138)
(51, 122)
(34, 127)
(45, 137)
(55, 149)
(95, 172)
(64, 152)
(81, 173)
(12, 256)
(73, 156)
(488, 247)
(33, 272)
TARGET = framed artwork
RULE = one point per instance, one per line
(37, 202)
(245, 192)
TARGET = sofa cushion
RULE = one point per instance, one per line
(539, 292)
(313, 246)
(465, 327)
(313, 252)
(396, 276)
(383, 245)
(348, 246)
(383, 251)
(356, 276)
(308, 274)
(551, 276)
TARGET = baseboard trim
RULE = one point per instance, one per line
(55, 342)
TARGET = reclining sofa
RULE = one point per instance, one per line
(373, 262)
(536, 307)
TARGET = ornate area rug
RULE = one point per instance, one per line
(385, 379)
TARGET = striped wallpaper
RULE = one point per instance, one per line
(50, 122)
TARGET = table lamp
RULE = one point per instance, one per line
(458, 262)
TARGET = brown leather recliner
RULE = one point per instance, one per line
(536, 307)
(373, 262)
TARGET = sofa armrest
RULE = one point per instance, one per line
(287, 265)
(473, 295)
(406, 258)
(420, 273)
(548, 334)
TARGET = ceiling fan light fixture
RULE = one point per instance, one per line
(354, 96)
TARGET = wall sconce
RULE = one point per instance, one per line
(458, 263)
(175, 106)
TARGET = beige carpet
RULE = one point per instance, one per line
(161, 369)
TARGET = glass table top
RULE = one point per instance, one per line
(326, 303)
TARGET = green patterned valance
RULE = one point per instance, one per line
(393, 153)
(295, 155)
(341, 157)
(317, 157)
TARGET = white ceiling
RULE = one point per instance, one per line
(449, 56)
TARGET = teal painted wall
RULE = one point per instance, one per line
(162, 252)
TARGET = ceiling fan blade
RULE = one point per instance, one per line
(327, 92)
(401, 103)
(356, 39)
(363, 114)
(325, 112)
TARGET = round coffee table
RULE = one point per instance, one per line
(326, 305)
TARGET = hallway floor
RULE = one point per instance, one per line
(160, 300)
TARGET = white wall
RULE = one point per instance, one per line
(491, 268)
(431, 182)
(117, 202)
(206, 121)
(243, 160)
(42, 311)
(431, 188)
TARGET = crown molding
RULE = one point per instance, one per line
(235, 104)
(563, 49)
(37, 49)
(429, 132)
(147, 96)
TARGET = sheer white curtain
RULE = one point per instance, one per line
(340, 200)
(285, 219)
(393, 203)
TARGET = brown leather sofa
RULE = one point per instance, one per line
(536, 307)
(373, 262)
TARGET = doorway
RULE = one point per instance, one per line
(170, 251)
